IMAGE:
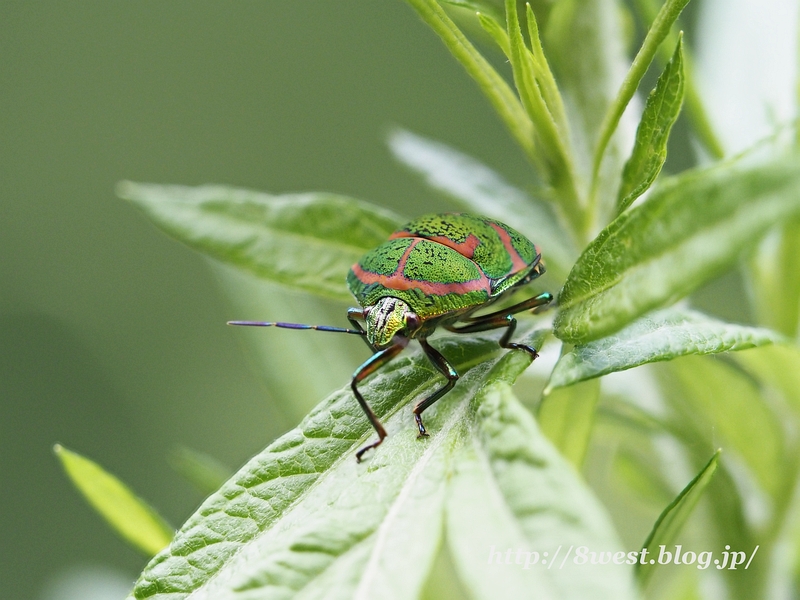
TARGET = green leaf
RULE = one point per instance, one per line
(305, 241)
(777, 366)
(491, 25)
(582, 38)
(553, 156)
(658, 31)
(493, 8)
(491, 83)
(660, 336)
(514, 499)
(544, 76)
(675, 515)
(696, 110)
(650, 149)
(717, 405)
(566, 417)
(205, 472)
(130, 516)
(304, 516)
(690, 229)
(774, 273)
(479, 189)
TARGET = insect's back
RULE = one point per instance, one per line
(504, 255)
(432, 278)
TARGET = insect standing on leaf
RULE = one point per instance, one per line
(436, 271)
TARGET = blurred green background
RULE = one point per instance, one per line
(112, 336)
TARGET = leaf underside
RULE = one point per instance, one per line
(662, 335)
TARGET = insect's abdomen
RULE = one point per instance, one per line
(497, 249)
(432, 278)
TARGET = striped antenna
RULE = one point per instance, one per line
(298, 326)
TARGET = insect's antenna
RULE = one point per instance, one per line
(299, 326)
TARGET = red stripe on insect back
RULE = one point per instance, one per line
(465, 248)
(397, 281)
(517, 263)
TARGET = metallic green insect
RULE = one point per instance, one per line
(436, 271)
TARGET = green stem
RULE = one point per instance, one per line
(499, 93)
(695, 108)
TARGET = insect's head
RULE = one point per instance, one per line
(387, 318)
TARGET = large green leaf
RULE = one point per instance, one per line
(675, 515)
(716, 405)
(566, 417)
(481, 190)
(662, 335)
(305, 241)
(774, 270)
(690, 229)
(130, 516)
(650, 148)
(304, 517)
(514, 500)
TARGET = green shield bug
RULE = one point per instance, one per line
(436, 271)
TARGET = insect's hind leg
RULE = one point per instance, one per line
(446, 369)
(505, 318)
(372, 364)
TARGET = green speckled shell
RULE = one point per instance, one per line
(498, 250)
(431, 278)
(443, 264)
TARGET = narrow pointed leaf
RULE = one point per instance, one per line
(494, 8)
(658, 31)
(566, 417)
(303, 516)
(305, 241)
(662, 335)
(675, 515)
(130, 516)
(690, 229)
(513, 499)
(553, 157)
(497, 32)
(481, 190)
(544, 75)
(650, 149)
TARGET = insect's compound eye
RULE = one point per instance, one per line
(413, 322)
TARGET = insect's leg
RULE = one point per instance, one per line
(353, 315)
(446, 369)
(505, 318)
(372, 364)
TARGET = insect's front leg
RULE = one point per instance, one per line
(372, 364)
(505, 318)
(355, 316)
